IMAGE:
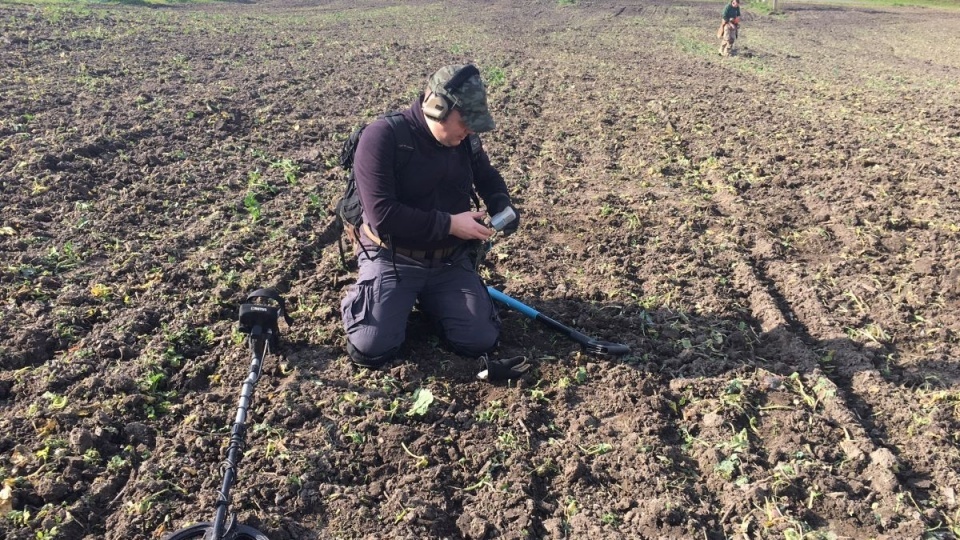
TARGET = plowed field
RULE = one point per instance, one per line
(775, 234)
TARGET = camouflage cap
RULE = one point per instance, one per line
(470, 97)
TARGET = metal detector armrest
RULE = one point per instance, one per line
(263, 309)
(253, 315)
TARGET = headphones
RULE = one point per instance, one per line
(437, 106)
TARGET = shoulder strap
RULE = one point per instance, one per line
(401, 131)
(475, 147)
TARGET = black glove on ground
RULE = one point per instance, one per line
(496, 369)
(499, 202)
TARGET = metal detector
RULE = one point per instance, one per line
(258, 319)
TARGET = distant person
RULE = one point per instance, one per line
(419, 229)
(729, 27)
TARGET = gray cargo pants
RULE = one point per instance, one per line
(376, 308)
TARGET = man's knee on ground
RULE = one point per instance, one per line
(475, 344)
(371, 361)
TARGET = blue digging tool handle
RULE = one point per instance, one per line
(593, 346)
(514, 304)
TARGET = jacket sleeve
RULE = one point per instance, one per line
(374, 170)
(487, 179)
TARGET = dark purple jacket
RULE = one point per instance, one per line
(412, 208)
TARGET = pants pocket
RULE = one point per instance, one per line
(357, 305)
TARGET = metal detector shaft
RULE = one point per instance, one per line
(595, 346)
(258, 345)
(258, 320)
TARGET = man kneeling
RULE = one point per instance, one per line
(418, 225)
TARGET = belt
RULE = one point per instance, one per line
(420, 254)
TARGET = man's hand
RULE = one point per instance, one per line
(497, 203)
(467, 226)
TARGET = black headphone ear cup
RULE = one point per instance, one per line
(436, 107)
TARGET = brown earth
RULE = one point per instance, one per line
(775, 234)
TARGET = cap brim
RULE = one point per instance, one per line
(471, 99)
(478, 120)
